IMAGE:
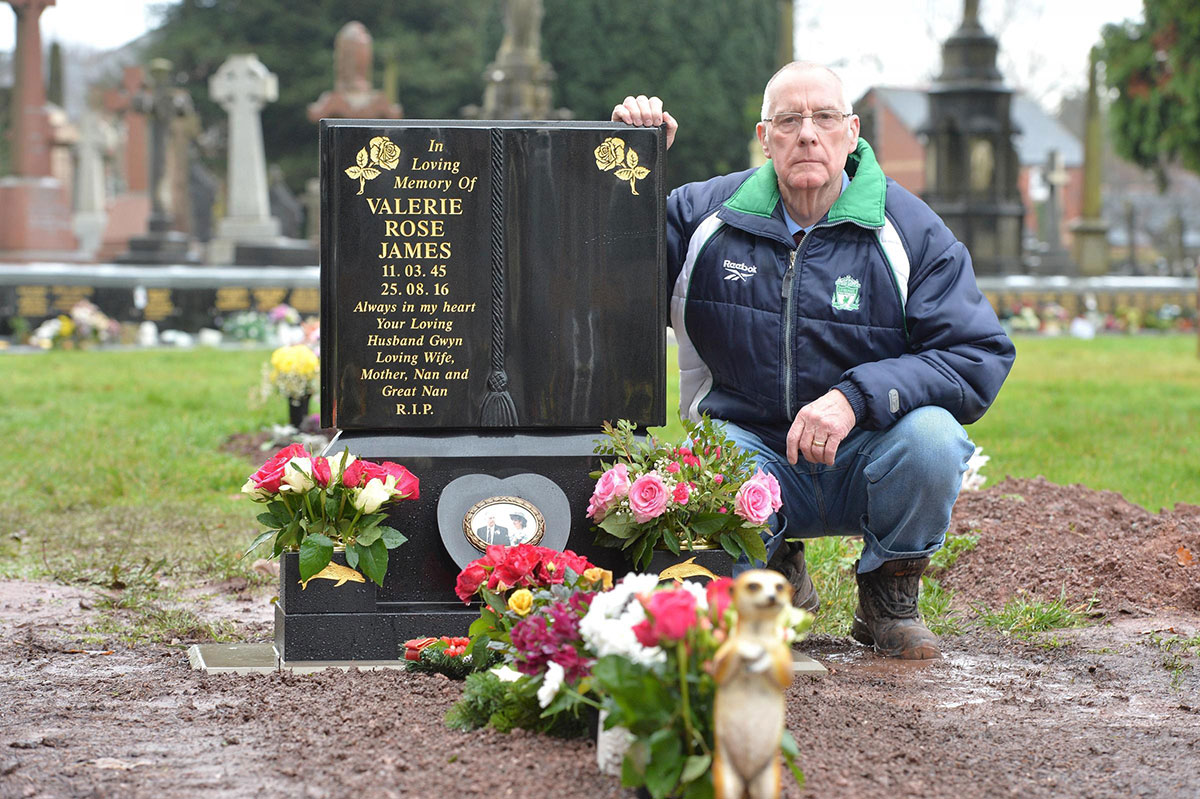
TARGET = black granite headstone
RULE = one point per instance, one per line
(464, 262)
(491, 292)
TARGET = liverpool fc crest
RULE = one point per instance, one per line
(846, 293)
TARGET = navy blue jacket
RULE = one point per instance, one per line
(878, 301)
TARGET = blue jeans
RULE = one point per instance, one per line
(893, 487)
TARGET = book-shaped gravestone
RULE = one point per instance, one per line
(491, 293)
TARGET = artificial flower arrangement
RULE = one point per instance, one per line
(641, 651)
(86, 325)
(315, 504)
(292, 372)
(532, 599)
(653, 494)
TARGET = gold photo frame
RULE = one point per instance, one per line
(503, 520)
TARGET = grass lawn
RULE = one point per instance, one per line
(116, 474)
(1120, 413)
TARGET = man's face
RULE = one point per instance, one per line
(810, 158)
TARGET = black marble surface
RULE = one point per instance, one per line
(484, 245)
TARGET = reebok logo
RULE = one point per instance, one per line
(736, 271)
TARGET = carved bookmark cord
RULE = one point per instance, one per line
(498, 409)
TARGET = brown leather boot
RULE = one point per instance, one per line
(887, 618)
(789, 561)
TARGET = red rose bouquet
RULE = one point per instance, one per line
(317, 503)
(652, 494)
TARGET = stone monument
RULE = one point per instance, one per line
(518, 83)
(490, 294)
(1089, 233)
(162, 104)
(353, 96)
(249, 234)
(129, 203)
(90, 216)
(1054, 260)
(36, 220)
(970, 159)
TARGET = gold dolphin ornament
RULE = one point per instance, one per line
(681, 571)
(336, 572)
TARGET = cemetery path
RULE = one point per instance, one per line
(1107, 710)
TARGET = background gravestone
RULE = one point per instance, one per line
(491, 293)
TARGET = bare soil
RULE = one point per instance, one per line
(1109, 710)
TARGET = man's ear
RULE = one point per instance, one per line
(855, 125)
(761, 130)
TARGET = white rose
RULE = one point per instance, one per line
(372, 495)
(338, 465)
(252, 490)
(298, 479)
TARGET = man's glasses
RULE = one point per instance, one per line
(790, 122)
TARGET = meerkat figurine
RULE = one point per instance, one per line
(752, 670)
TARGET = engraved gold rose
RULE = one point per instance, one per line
(612, 154)
(379, 154)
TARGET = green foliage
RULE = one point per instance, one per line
(1022, 617)
(948, 555)
(671, 720)
(1153, 66)
(707, 59)
(506, 706)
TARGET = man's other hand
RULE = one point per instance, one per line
(645, 112)
(819, 428)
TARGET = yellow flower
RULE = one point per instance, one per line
(521, 601)
(384, 152)
(597, 575)
(298, 359)
(610, 154)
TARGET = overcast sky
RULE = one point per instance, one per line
(1044, 43)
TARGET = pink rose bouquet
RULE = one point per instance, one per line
(314, 503)
(654, 495)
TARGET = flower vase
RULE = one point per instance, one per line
(323, 595)
(611, 746)
(298, 409)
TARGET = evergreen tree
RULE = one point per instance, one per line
(1153, 66)
(708, 59)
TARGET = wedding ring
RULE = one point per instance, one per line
(820, 443)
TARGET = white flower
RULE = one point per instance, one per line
(507, 673)
(251, 489)
(796, 622)
(373, 494)
(297, 475)
(972, 480)
(607, 627)
(338, 465)
(552, 682)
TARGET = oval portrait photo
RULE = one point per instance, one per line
(503, 521)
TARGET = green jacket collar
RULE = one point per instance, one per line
(861, 203)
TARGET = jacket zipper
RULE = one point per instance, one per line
(787, 331)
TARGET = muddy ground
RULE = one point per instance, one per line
(1109, 710)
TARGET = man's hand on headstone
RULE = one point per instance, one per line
(819, 428)
(643, 112)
